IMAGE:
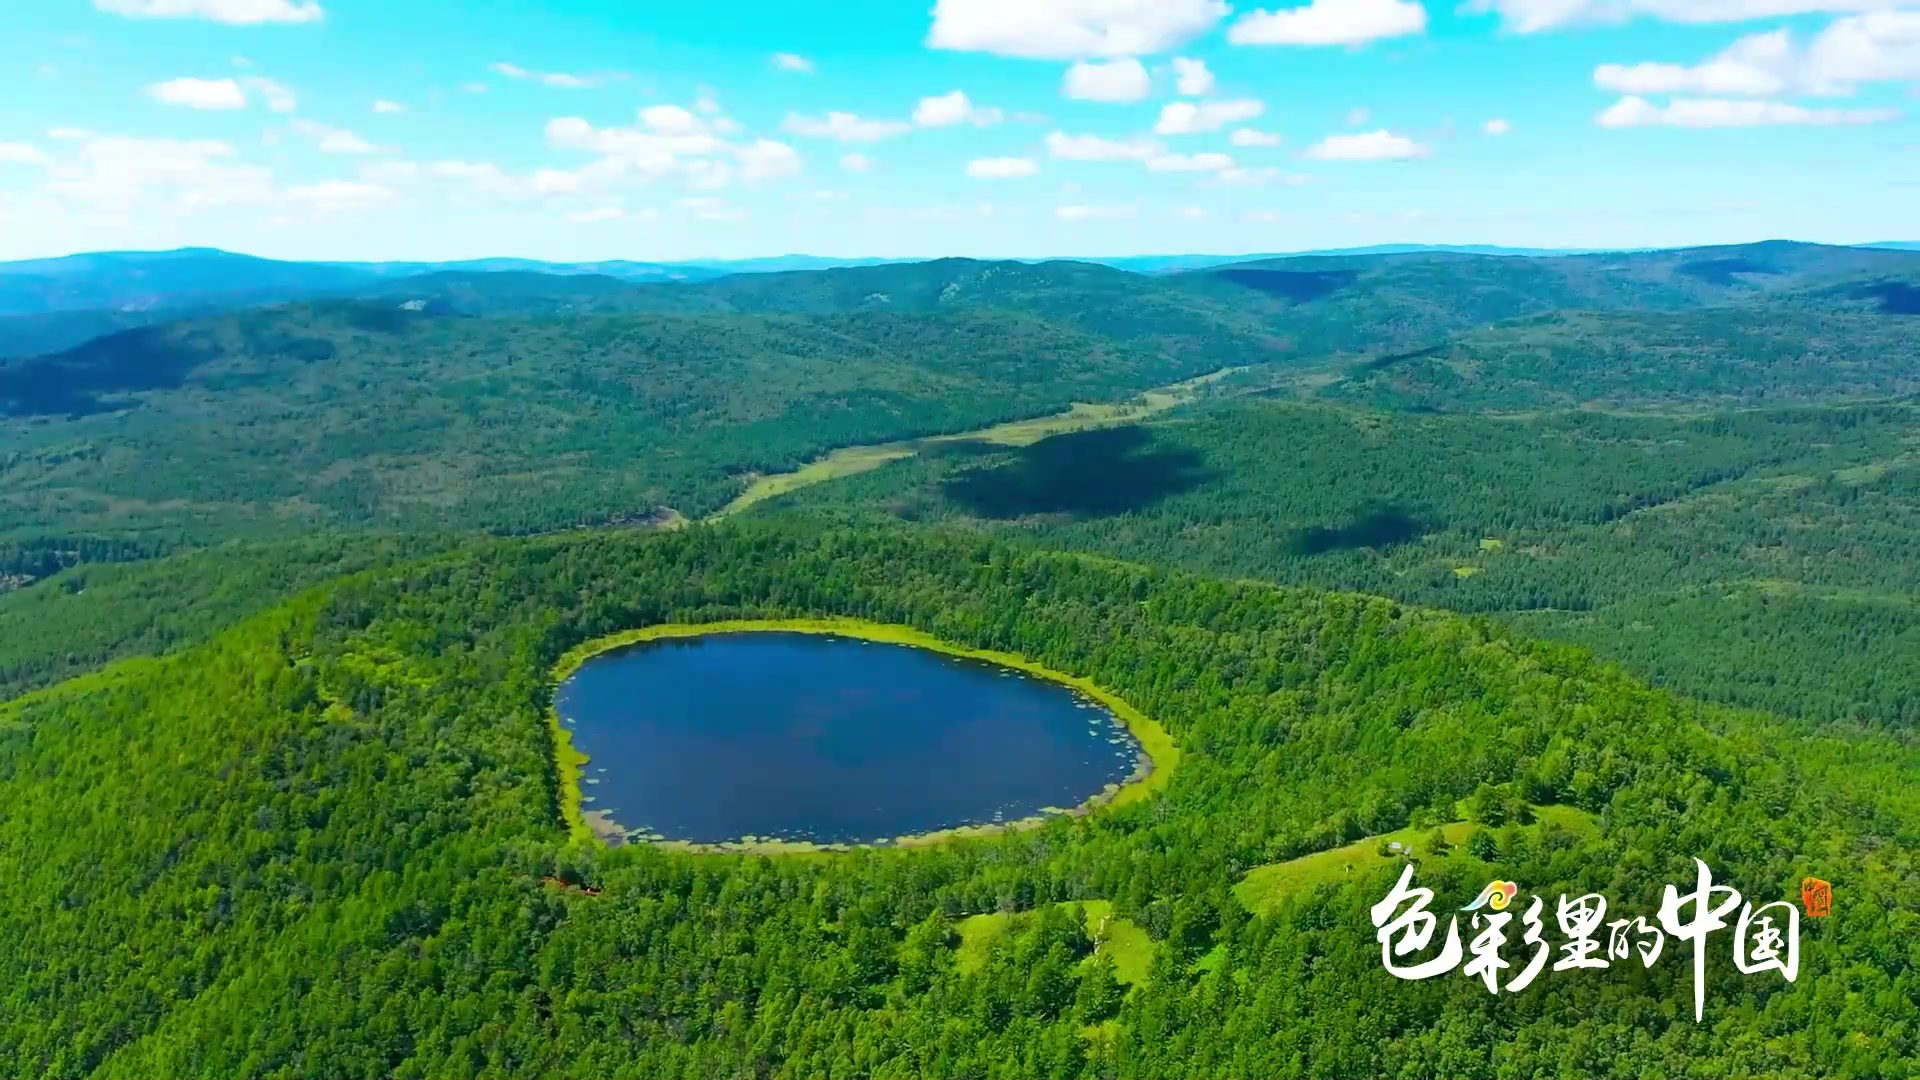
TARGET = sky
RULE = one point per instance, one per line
(666, 130)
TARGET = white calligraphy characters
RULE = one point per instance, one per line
(1405, 927)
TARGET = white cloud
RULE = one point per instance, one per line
(22, 154)
(844, 127)
(474, 87)
(70, 134)
(1496, 126)
(199, 93)
(1001, 168)
(280, 98)
(1330, 22)
(1723, 112)
(1532, 16)
(232, 12)
(1192, 118)
(1070, 29)
(598, 213)
(786, 61)
(1261, 217)
(338, 196)
(331, 140)
(115, 174)
(953, 108)
(1189, 163)
(1381, 145)
(1261, 177)
(561, 79)
(1115, 80)
(242, 62)
(1096, 148)
(766, 159)
(388, 107)
(1875, 47)
(1357, 116)
(1191, 213)
(856, 163)
(711, 209)
(483, 177)
(1191, 77)
(1252, 137)
(1088, 213)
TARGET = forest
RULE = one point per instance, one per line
(1764, 557)
(327, 856)
(1564, 570)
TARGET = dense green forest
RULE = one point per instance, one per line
(315, 844)
(281, 590)
(1770, 558)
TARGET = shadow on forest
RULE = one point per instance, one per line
(1896, 297)
(1382, 525)
(1722, 271)
(74, 382)
(1298, 286)
(1095, 473)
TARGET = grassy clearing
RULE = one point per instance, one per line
(1125, 941)
(852, 460)
(1160, 752)
(1266, 887)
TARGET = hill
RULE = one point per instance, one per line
(316, 844)
(1766, 558)
(364, 414)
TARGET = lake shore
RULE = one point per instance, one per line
(1159, 754)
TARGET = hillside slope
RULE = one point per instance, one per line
(316, 845)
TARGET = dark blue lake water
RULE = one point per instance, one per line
(828, 739)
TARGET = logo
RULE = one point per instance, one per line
(1497, 895)
(1817, 897)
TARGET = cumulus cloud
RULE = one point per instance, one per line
(767, 159)
(1724, 112)
(1095, 148)
(1071, 29)
(1189, 163)
(1191, 77)
(1087, 213)
(1253, 137)
(1533, 16)
(1330, 22)
(844, 127)
(953, 108)
(119, 175)
(279, 97)
(786, 61)
(388, 107)
(1875, 47)
(1115, 80)
(199, 93)
(856, 163)
(1381, 145)
(22, 154)
(1196, 117)
(231, 12)
(561, 79)
(1496, 126)
(332, 140)
(1001, 168)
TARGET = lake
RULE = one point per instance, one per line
(828, 739)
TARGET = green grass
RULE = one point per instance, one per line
(1082, 416)
(1126, 942)
(1267, 887)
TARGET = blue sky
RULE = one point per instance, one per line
(652, 129)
